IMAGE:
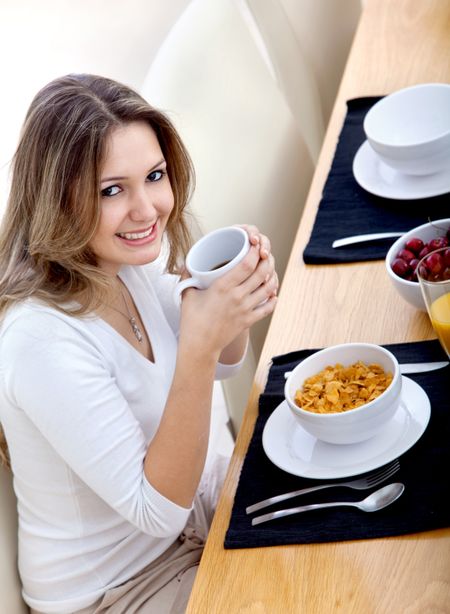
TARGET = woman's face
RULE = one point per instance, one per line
(136, 199)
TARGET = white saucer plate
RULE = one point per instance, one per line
(294, 450)
(379, 179)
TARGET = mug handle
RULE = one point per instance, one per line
(190, 282)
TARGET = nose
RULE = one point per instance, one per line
(142, 206)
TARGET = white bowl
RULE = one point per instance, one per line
(410, 290)
(354, 425)
(410, 129)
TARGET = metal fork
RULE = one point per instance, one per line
(368, 481)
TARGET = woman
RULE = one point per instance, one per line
(106, 383)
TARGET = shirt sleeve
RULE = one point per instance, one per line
(58, 377)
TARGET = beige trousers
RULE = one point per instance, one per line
(164, 586)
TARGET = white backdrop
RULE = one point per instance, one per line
(44, 39)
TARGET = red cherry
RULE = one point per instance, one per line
(424, 251)
(400, 267)
(437, 243)
(406, 255)
(446, 274)
(414, 245)
(423, 271)
(446, 256)
(414, 262)
(434, 263)
(413, 266)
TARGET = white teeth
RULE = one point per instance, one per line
(135, 235)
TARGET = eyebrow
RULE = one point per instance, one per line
(124, 177)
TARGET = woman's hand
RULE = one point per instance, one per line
(257, 239)
(215, 317)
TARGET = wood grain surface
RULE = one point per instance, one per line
(398, 43)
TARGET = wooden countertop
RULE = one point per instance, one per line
(398, 43)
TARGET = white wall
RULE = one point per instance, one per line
(324, 30)
(44, 39)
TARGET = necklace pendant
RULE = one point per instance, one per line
(136, 330)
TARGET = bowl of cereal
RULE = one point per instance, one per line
(345, 393)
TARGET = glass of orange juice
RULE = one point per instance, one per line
(433, 273)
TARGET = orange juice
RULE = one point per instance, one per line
(440, 318)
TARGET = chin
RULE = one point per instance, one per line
(146, 257)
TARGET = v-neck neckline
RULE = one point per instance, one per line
(144, 330)
(141, 310)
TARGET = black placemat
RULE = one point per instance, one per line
(347, 209)
(424, 471)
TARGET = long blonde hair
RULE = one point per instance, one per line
(53, 208)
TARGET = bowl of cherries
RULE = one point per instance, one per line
(416, 246)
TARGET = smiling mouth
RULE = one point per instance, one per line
(132, 236)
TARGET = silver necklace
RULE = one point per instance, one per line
(131, 319)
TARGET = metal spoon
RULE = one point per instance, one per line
(374, 502)
(375, 236)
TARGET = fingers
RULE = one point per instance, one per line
(265, 247)
(252, 281)
(264, 292)
(256, 238)
(258, 254)
(242, 271)
(264, 275)
(257, 295)
(262, 310)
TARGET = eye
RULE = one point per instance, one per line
(156, 175)
(111, 190)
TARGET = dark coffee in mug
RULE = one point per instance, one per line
(220, 265)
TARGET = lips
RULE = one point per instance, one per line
(139, 237)
(133, 236)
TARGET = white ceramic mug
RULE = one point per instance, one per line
(213, 255)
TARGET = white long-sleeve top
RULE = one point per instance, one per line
(79, 406)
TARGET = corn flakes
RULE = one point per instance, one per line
(338, 388)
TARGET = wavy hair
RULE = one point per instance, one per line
(53, 208)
